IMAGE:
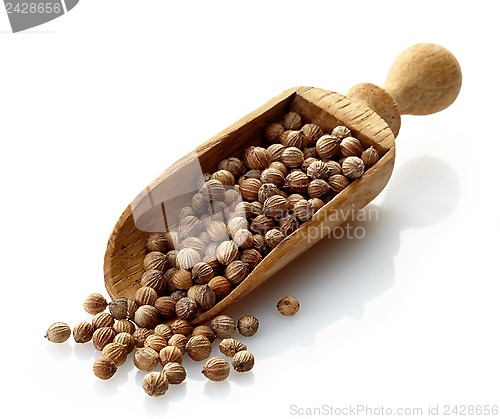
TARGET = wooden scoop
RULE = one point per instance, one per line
(424, 79)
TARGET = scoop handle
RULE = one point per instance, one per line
(424, 79)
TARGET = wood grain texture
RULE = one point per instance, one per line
(424, 79)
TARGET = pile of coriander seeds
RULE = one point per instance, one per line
(237, 216)
(114, 331)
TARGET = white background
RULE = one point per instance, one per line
(97, 103)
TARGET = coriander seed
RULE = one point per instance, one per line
(202, 272)
(189, 226)
(296, 182)
(273, 132)
(292, 120)
(259, 243)
(327, 146)
(181, 279)
(224, 176)
(226, 252)
(316, 204)
(288, 224)
(353, 167)
(146, 359)
(341, 132)
(221, 286)
(140, 336)
(232, 196)
(248, 325)
(58, 332)
(223, 326)
(132, 307)
(179, 341)
(155, 260)
(181, 327)
(351, 146)
(184, 212)
(145, 296)
(171, 259)
(249, 189)
(251, 174)
(166, 307)
(163, 330)
(273, 176)
(318, 170)
(155, 384)
(243, 238)
(187, 258)
(292, 157)
(198, 204)
(205, 296)
(295, 139)
(206, 331)
(216, 369)
(174, 372)
(288, 306)
(312, 132)
(170, 354)
(157, 242)
(275, 206)
(82, 332)
(370, 156)
(236, 224)
(212, 190)
(94, 303)
(198, 348)
(274, 237)
(278, 165)
(252, 257)
(127, 340)
(334, 168)
(275, 151)
(104, 368)
(262, 224)
(124, 325)
(257, 158)
(243, 361)
(230, 346)
(102, 336)
(217, 231)
(103, 320)
(236, 272)
(155, 342)
(293, 199)
(118, 308)
(338, 182)
(147, 316)
(318, 188)
(266, 191)
(194, 243)
(233, 165)
(115, 351)
(186, 308)
(303, 210)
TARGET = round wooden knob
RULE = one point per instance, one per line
(424, 79)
